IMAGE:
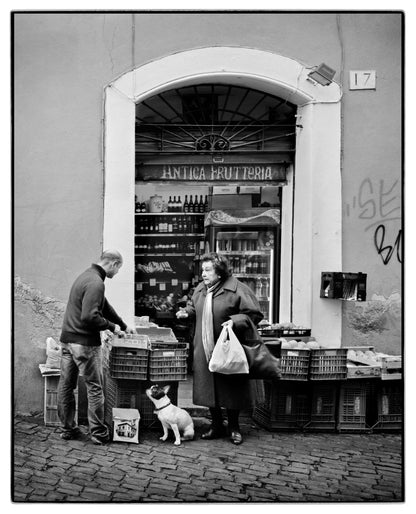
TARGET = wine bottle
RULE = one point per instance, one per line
(143, 207)
(170, 204)
(201, 205)
(174, 204)
(206, 206)
(180, 205)
(186, 205)
(191, 204)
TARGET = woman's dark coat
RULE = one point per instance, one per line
(233, 300)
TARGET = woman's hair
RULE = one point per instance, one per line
(219, 263)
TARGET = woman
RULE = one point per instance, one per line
(219, 300)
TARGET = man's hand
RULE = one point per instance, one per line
(130, 330)
(181, 313)
(118, 332)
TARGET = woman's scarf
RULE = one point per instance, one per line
(208, 322)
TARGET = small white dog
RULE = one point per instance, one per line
(171, 416)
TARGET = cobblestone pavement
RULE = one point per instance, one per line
(268, 467)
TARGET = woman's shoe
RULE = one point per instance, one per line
(214, 433)
(236, 437)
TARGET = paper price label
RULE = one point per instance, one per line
(174, 281)
(184, 286)
(152, 282)
(162, 287)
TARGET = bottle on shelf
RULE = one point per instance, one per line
(180, 204)
(206, 204)
(201, 205)
(173, 205)
(186, 204)
(170, 204)
(143, 207)
(191, 204)
(174, 224)
(169, 225)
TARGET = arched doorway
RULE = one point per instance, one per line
(311, 237)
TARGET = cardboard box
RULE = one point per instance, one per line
(223, 201)
(249, 190)
(126, 425)
(224, 190)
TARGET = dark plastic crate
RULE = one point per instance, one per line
(352, 413)
(295, 363)
(323, 407)
(131, 394)
(167, 364)
(328, 364)
(129, 363)
(389, 407)
(286, 406)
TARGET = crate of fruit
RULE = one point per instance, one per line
(168, 364)
(129, 357)
(362, 362)
(328, 364)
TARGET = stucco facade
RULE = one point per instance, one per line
(76, 77)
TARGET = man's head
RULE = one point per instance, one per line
(111, 261)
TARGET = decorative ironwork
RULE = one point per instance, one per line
(211, 143)
(214, 118)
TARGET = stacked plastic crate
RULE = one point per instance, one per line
(135, 362)
(286, 402)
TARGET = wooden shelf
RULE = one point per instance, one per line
(251, 275)
(179, 254)
(246, 252)
(169, 213)
(169, 234)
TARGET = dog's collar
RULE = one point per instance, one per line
(160, 408)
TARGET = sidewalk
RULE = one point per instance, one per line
(267, 467)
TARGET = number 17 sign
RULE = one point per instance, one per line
(363, 79)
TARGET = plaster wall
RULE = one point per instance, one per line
(62, 63)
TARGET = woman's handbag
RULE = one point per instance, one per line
(262, 364)
(228, 356)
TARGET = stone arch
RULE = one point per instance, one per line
(316, 181)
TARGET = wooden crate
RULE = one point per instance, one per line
(50, 397)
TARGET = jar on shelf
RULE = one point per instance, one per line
(155, 203)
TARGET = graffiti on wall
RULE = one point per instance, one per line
(378, 204)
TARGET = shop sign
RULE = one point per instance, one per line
(237, 172)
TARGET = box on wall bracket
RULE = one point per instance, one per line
(126, 425)
(344, 286)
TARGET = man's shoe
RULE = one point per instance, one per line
(214, 433)
(99, 440)
(75, 433)
(236, 437)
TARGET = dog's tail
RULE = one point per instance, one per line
(188, 432)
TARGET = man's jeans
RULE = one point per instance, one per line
(87, 360)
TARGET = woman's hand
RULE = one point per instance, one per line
(228, 324)
(181, 313)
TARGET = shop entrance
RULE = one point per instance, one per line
(211, 163)
(311, 230)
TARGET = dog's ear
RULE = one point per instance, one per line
(166, 389)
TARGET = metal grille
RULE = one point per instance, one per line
(215, 118)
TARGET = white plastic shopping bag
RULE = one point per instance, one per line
(228, 356)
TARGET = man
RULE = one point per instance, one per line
(87, 313)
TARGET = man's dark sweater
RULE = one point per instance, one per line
(88, 312)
